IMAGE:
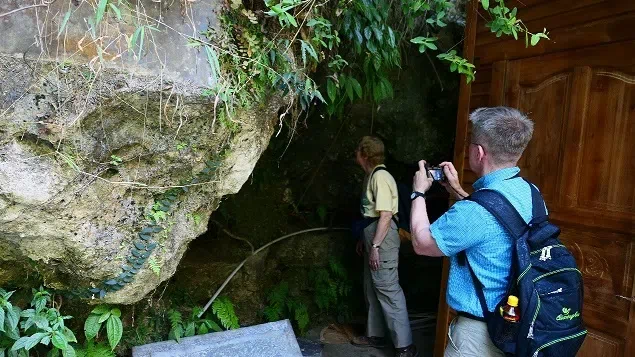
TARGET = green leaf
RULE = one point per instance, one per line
(69, 352)
(145, 237)
(367, 33)
(331, 90)
(101, 9)
(391, 38)
(176, 333)
(40, 304)
(224, 310)
(142, 36)
(116, 312)
(116, 10)
(114, 328)
(12, 317)
(2, 313)
(104, 317)
(92, 326)
(318, 95)
(33, 340)
(64, 22)
(534, 39)
(19, 344)
(135, 38)
(485, 4)
(41, 321)
(356, 86)
(202, 329)
(291, 20)
(190, 330)
(27, 342)
(349, 89)
(418, 40)
(59, 341)
(70, 336)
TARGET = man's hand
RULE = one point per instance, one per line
(373, 259)
(451, 182)
(360, 247)
(422, 181)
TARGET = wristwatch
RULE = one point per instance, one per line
(416, 194)
(375, 245)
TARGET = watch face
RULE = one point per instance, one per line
(413, 195)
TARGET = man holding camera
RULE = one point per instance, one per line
(499, 137)
(379, 244)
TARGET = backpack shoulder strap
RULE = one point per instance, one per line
(504, 212)
(380, 168)
(507, 215)
(538, 210)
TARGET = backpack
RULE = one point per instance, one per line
(545, 278)
(402, 219)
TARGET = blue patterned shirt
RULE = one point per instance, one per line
(470, 227)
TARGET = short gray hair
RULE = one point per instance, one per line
(503, 131)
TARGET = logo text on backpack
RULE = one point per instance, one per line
(545, 254)
(567, 315)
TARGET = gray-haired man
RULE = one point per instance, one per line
(499, 137)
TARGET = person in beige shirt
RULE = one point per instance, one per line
(380, 247)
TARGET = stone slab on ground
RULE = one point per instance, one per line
(274, 339)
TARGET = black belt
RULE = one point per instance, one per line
(470, 316)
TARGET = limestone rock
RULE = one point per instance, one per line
(90, 136)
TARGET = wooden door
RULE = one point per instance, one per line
(582, 157)
(581, 95)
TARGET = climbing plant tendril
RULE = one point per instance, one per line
(145, 243)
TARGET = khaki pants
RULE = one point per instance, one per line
(469, 338)
(384, 296)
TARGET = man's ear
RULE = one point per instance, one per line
(481, 153)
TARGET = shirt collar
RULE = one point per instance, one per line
(495, 176)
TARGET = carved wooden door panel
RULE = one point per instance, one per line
(582, 157)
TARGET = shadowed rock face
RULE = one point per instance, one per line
(87, 145)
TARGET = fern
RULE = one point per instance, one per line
(224, 310)
(281, 305)
(176, 323)
(272, 313)
(331, 285)
(154, 266)
(90, 349)
(301, 317)
(337, 269)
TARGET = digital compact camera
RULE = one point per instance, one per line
(436, 173)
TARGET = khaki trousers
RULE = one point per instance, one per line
(384, 296)
(469, 338)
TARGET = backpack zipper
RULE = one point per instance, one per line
(557, 291)
(549, 246)
(531, 327)
(559, 340)
(556, 272)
